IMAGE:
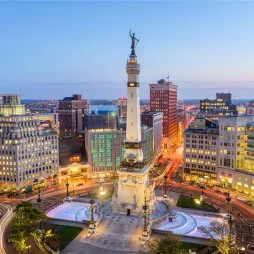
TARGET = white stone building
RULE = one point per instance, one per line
(28, 156)
(200, 150)
(236, 153)
(10, 105)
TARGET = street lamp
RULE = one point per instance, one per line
(39, 197)
(102, 193)
(92, 224)
(67, 189)
(145, 231)
(230, 221)
(165, 186)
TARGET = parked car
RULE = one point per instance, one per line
(225, 193)
(248, 202)
(80, 184)
(174, 175)
(218, 191)
(101, 180)
(202, 187)
(241, 199)
(185, 183)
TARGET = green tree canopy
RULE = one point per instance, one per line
(170, 244)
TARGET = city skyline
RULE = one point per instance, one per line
(66, 48)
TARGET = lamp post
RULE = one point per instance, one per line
(230, 221)
(92, 222)
(67, 189)
(145, 231)
(102, 192)
(72, 187)
(39, 197)
(165, 186)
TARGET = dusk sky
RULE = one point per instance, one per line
(56, 48)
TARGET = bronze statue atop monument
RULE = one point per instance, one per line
(134, 42)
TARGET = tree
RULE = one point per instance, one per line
(19, 240)
(219, 236)
(169, 244)
(25, 223)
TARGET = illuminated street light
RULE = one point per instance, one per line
(230, 221)
(165, 186)
(67, 189)
(92, 224)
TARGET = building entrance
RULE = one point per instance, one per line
(128, 212)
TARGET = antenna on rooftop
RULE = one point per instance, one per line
(168, 77)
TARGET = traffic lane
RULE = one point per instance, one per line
(240, 206)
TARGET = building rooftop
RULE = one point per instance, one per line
(102, 109)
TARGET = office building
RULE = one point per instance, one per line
(10, 105)
(29, 156)
(236, 156)
(250, 108)
(122, 105)
(154, 120)
(105, 149)
(72, 112)
(163, 98)
(102, 117)
(201, 150)
(219, 107)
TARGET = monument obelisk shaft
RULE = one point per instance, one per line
(133, 129)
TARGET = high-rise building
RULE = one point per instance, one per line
(250, 108)
(219, 107)
(29, 156)
(105, 150)
(154, 120)
(201, 150)
(163, 98)
(72, 112)
(102, 117)
(235, 167)
(10, 105)
(122, 105)
(225, 97)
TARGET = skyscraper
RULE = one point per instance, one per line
(72, 114)
(29, 156)
(163, 98)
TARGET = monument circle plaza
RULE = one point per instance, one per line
(126, 222)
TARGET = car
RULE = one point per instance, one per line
(248, 202)
(185, 183)
(218, 191)
(241, 199)
(174, 175)
(101, 181)
(202, 187)
(225, 193)
(80, 184)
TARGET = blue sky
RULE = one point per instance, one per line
(51, 49)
